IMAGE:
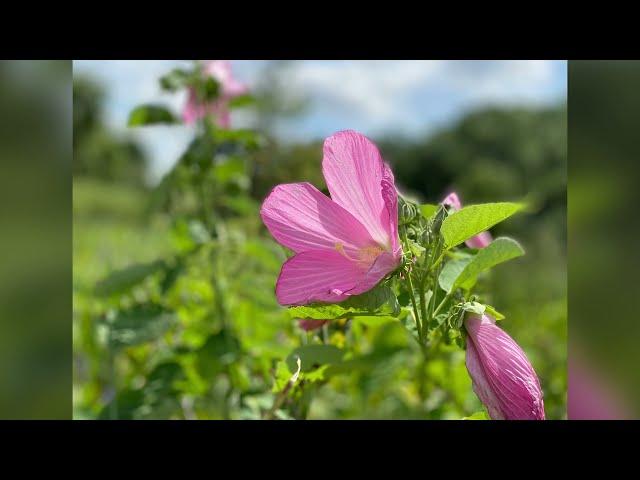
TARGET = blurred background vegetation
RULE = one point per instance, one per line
(174, 310)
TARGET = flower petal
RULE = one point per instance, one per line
(390, 197)
(309, 325)
(507, 371)
(453, 201)
(384, 264)
(191, 111)
(317, 276)
(480, 241)
(354, 171)
(480, 383)
(221, 71)
(302, 218)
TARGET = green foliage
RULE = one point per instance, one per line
(97, 152)
(474, 219)
(464, 271)
(378, 302)
(174, 307)
(478, 416)
(121, 281)
(175, 80)
(137, 325)
(149, 115)
(428, 210)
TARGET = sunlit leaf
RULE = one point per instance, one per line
(474, 219)
(428, 210)
(478, 416)
(499, 251)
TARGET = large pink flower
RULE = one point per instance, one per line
(503, 377)
(479, 241)
(230, 88)
(346, 244)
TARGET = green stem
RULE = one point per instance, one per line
(444, 300)
(413, 304)
(423, 310)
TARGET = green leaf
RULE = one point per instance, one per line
(149, 115)
(474, 307)
(209, 89)
(474, 219)
(499, 251)
(121, 281)
(139, 324)
(494, 313)
(230, 169)
(428, 210)
(452, 271)
(282, 377)
(478, 416)
(241, 101)
(175, 80)
(246, 138)
(379, 301)
(313, 356)
(219, 350)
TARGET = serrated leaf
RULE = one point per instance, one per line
(474, 219)
(121, 281)
(379, 301)
(500, 250)
(149, 115)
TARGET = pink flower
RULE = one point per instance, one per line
(591, 396)
(219, 108)
(479, 241)
(503, 378)
(309, 324)
(346, 244)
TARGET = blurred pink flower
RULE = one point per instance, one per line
(308, 324)
(479, 241)
(346, 244)
(230, 88)
(591, 396)
(502, 376)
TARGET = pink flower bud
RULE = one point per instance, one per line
(309, 325)
(503, 377)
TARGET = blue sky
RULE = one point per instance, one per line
(374, 97)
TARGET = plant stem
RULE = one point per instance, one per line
(413, 304)
(423, 309)
(444, 300)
